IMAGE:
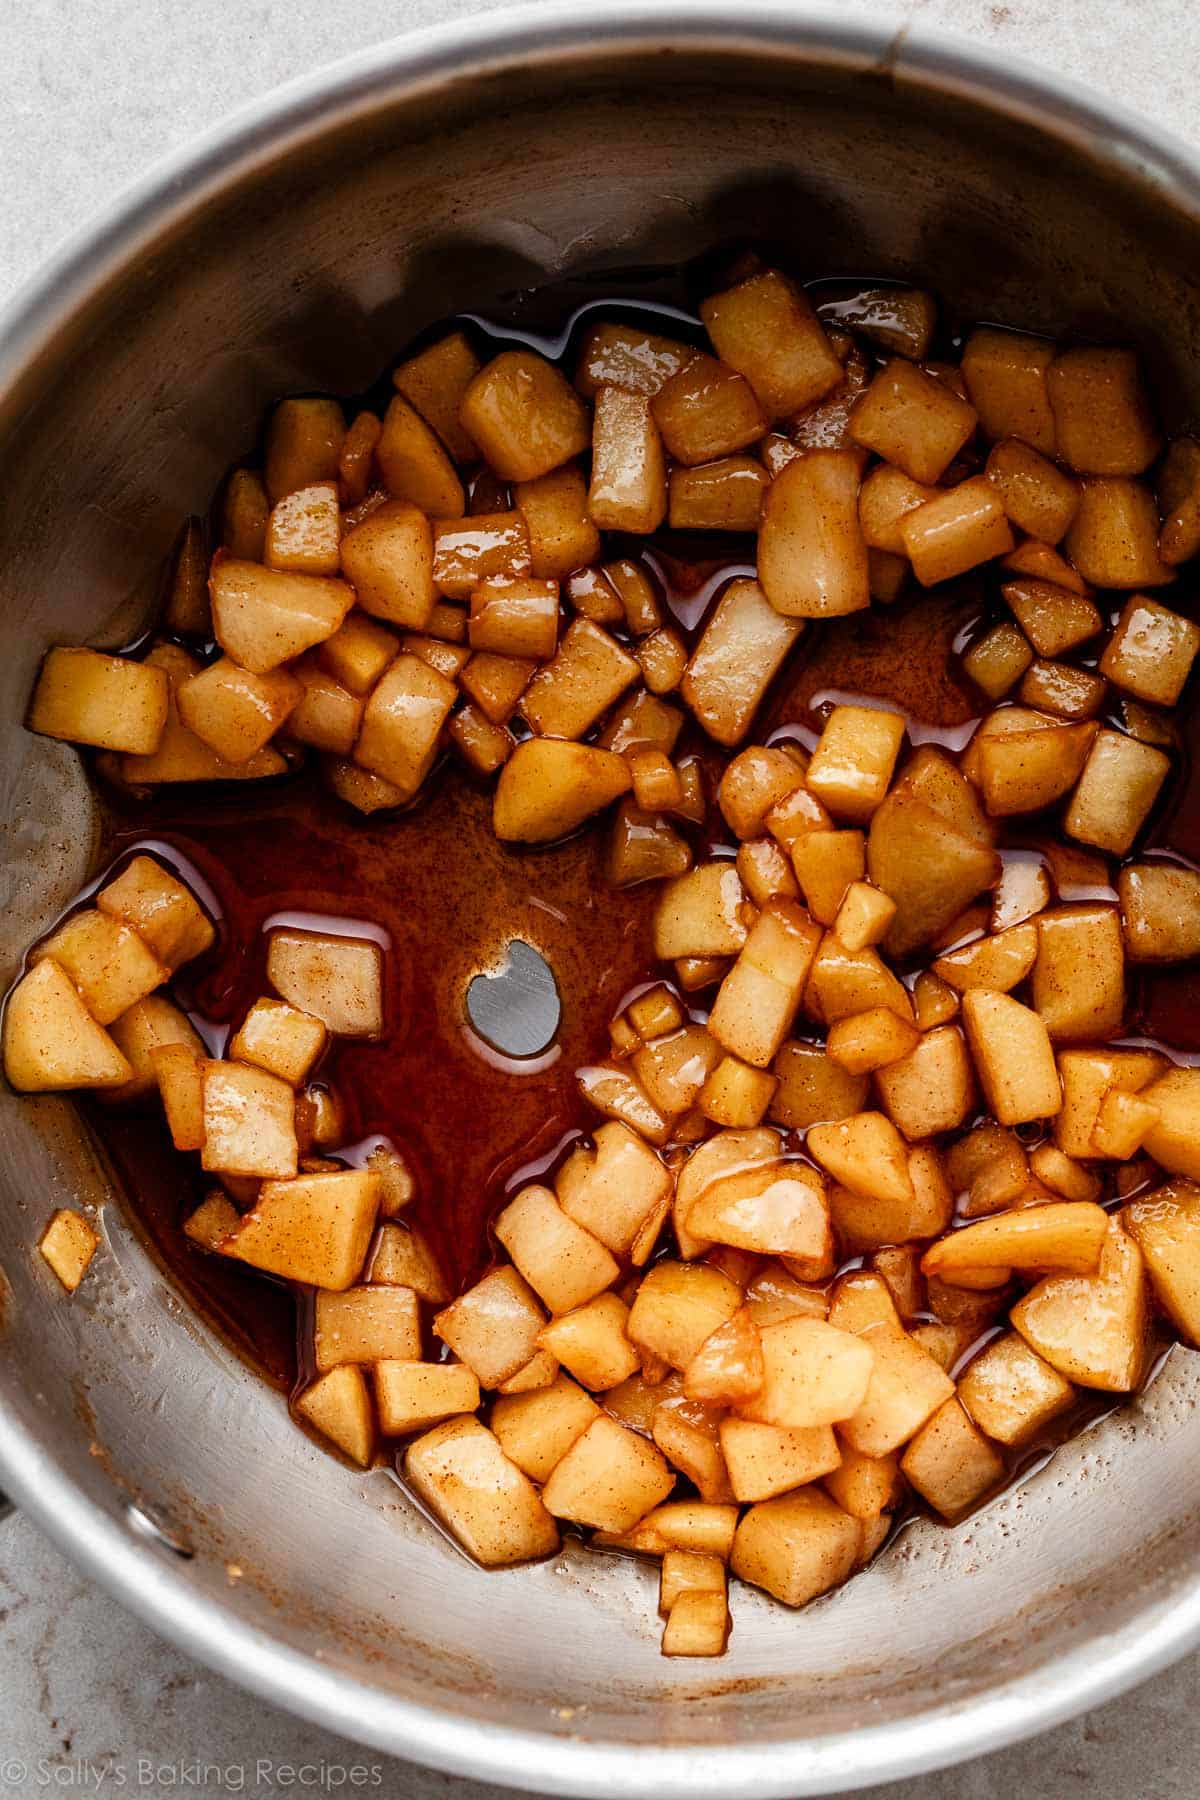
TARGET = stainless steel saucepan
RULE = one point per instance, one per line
(296, 248)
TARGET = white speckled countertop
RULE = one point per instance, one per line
(90, 94)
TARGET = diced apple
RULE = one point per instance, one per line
(535, 1430)
(931, 1089)
(628, 489)
(403, 1258)
(179, 1071)
(1118, 787)
(1079, 975)
(1092, 1329)
(67, 1246)
(593, 1344)
(813, 1374)
(411, 1395)
(51, 1040)
(765, 1460)
(956, 532)
(150, 1025)
(677, 1307)
(493, 1327)
(609, 1478)
(468, 551)
(235, 712)
(524, 416)
(1038, 497)
(743, 643)
(812, 556)
(624, 356)
(613, 1188)
(758, 999)
(864, 1153)
(1006, 377)
(1160, 912)
(315, 1229)
(1013, 1057)
(244, 512)
(1010, 1392)
(460, 1472)
(280, 1039)
(1103, 424)
(950, 1463)
(1087, 1076)
(338, 980)
(338, 1405)
(160, 908)
(564, 1264)
(549, 786)
(366, 1325)
(1113, 539)
(110, 702)
(797, 1546)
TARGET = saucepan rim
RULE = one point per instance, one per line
(140, 1574)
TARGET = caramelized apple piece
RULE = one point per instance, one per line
(956, 532)
(435, 382)
(950, 1463)
(314, 1229)
(366, 1325)
(1160, 912)
(1102, 419)
(536, 1430)
(1006, 377)
(460, 1472)
(493, 1327)
(338, 1405)
(628, 489)
(108, 962)
(108, 701)
(913, 420)
(412, 1395)
(338, 980)
(812, 556)
(564, 1264)
(765, 328)
(1118, 787)
(304, 442)
(609, 1478)
(1010, 1393)
(67, 1246)
(796, 1546)
(743, 643)
(1013, 1057)
(549, 786)
(1092, 1328)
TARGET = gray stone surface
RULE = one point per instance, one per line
(91, 92)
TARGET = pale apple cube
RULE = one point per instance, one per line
(1038, 497)
(338, 980)
(110, 702)
(765, 1460)
(1078, 983)
(866, 1222)
(864, 1153)
(743, 643)
(812, 555)
(549, 786)
(263, 617)
(460, 1472)
(931, 1089)
(628, 490)
(753, 782)
(1151, 652)
(1052, 618)
(435, 381)
(1123, 1124)
(315, 1229)
(304, 442)
(279, 1038)
(589, 672)
(617, 1093)
(812, 1089)
(677, 1307)
(1010, 1393)
(813, 1374)
(515, 617)
(564, 1264)
(846, 981)
(1119, 785)
(402, 723)
(593, 1343)
(358, 652)
(853, 762)
(411, 1395)
(403, 1258)
(624, 356)
(773, 1210)
(885, 499)
(536, 1430)
(766, 871)
(1165, 1225)
(736, 1095)
(609, 1478)
(328, 716)
(705, 411)
(366, 793)
(689, 1572)
(863, 917)
(1006, 378)
(956, 532)
(235, 712)
(1174, 1138)
(1070, 693)
(415, 466)
(1000, 960)
(725, 495)
(1103, 423)
(950, 1463)
(108, 962)
(214, 1221)
(1112, 541)
(701, 914)
(338, 1405)
(997, 661)
(766, 329)
(1160, 911)
(179, 1071)
(388, 560)
(160, 908)
(562, 537)
(759, 998)
(656, 783)
(934, 1001)
(524, 416)
(662, 658)
(797, 1546)
(1179, 501)
(303, 532)
(1013, 1057)
(826, 864)
(249, 1122)
(913, 420)
(1087, 1077)
(150, 1025)
(1092, 1329)
(486, 747)
(470, 550)
(356, 459)
(493, 1327)
(366, 1325)
(613, 1188)
(67, 1246)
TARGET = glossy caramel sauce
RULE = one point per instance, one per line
(450, 899)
